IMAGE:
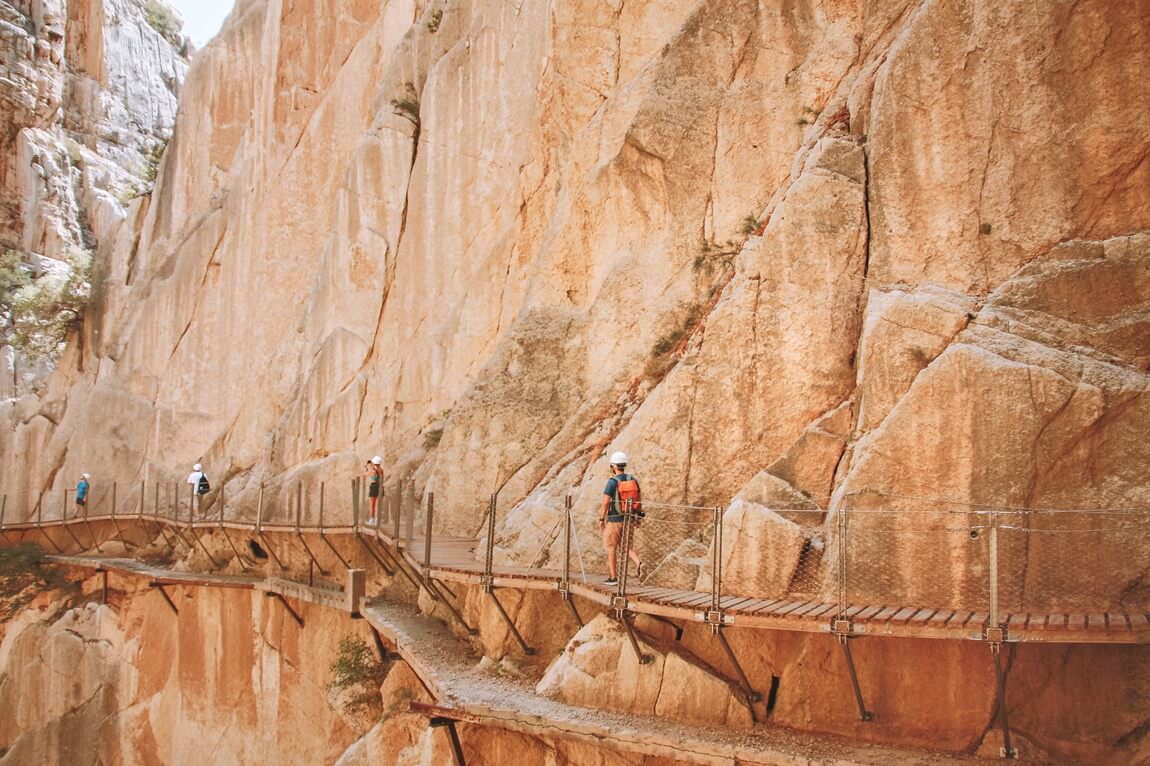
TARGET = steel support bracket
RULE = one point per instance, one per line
(994, 634)
(164, 593)
(488, 583)
(619, 603)
(841, 627)
(279, 597)
(715, 617)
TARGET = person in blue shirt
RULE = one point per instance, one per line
(81, 494)
(611, 521)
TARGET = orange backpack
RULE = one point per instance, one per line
(627, 489)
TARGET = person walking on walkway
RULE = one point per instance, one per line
(616, 497)
(81, 494)
(200, 487)
(375, 484)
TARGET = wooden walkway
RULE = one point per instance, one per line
(454, 560)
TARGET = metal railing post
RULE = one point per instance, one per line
(428, 524)
(298, 505)
(260, 510)
(717, 566)
(994, 621)
(322, 489)
(355, 502)
(489, 560)
(566, 541)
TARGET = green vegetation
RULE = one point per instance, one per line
(436, 18)
(662, 353)
(36, 314)
(357, 674)
(408, 106)
(162, 19)
(432, 437)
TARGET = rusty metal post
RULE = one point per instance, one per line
(321, 499)
(298, 505)
(260, 511)
(221, 506)
(113, 499)
(489, 561)
(3, 510)
(39, 510)
(397, 509)
(64, 507)
(717, 562)
(428, 525)
(566, 544)
(355, 502)
(143, 494)
(410, 526)
(1000, 677)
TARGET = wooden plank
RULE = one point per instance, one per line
(1096, 621)
(765, 607)
(922, 616)
(1117, 621)
(824, 610)
(940, 618)
(1076, 621)
(752, 605)
(698, 600)
(1055, 621)
(813, 608)
(977, 620)
(733, 602)
(868, 613)
(886, 614)
(903, 615)
(788, 607)
(1138, 621)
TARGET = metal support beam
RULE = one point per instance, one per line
(48, 537)
(232, 545)
(571, 605)
(164, 593)
(528, 650)
(1000, 675)
(644, 659)
(279, 597)
(307, 548)
(431, 588)
(456, 747)
(342, 560)
(864, 714)
(104, 587)
(744, 682)
(359, 536)
(271, 551)
(200, 542)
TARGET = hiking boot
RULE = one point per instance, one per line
(640, 570)
(611, 581)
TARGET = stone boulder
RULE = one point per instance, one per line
(598, 668)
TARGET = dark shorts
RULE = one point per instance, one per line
(81, 501)
(373, 490)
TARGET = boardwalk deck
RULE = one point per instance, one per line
(455, 560)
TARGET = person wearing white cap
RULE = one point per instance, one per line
(81, 493)
(200, 486)
(375, 484)
(621, 496)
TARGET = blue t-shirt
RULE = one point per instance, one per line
(611, 490)
(82, 490)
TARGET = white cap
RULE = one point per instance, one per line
(619, 458)
(85, 476)
(197, 467)
(377, 460)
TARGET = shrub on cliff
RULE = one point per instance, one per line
(357, 675)
(42, 311)
(21, 568)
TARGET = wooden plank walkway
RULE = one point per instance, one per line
(454, 560)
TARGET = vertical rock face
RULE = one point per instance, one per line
(89, 91)
(830, 257)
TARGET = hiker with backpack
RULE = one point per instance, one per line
(620, 497)
(200, 486)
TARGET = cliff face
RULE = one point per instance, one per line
(89, 95)
(871, 254)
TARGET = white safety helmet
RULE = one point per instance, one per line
(197, 467)
(85, 476)
(377, 460)
(619, 458)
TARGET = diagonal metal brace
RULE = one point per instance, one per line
(745, 683)
(528, 650)
(164, 593)
(844, 641)
(287, 606)
(644, 659)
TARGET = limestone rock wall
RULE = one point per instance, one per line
(89, 90)
(881, 256)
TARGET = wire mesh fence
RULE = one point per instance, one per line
(901, 551)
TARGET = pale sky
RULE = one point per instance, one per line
(202, 18)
